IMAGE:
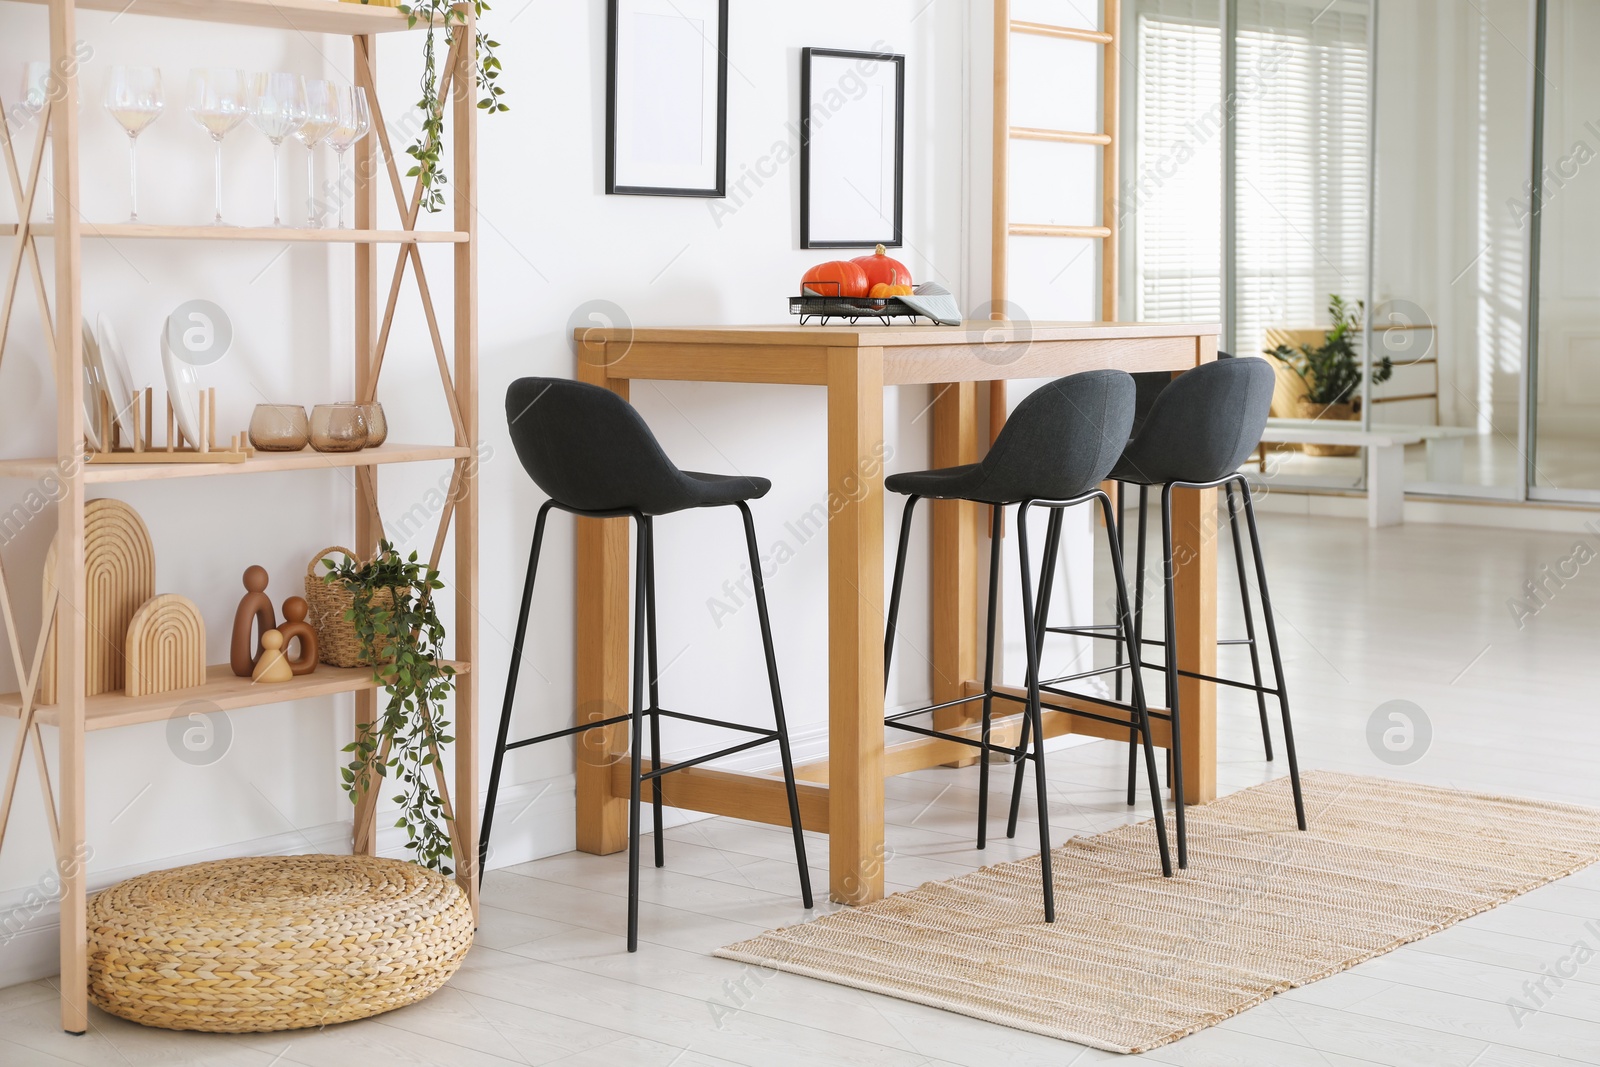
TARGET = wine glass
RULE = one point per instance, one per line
(355, 120)
(277, 109)
(133, 96)
(35, 95)
(217, 101)
(322, 115)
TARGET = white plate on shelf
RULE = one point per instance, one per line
(91, 389)
(183, 388)
(118, 379)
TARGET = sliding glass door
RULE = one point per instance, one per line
(1436, 162)
(1451, 239)
(1564, 458)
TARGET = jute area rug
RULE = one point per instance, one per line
(1135, 961)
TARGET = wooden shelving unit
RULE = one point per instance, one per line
(454, 348)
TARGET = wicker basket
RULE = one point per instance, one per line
(274, 942)
(338, 644)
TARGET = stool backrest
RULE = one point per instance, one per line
(1062, 440)
(586, 447)
(1150, 384)
(1205, 423)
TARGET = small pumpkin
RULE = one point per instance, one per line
(837, 277)
(880, 268)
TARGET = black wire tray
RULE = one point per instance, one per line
(850, 308)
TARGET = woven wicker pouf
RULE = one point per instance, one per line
(274, 942)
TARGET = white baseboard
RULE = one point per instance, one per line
(1510, 515)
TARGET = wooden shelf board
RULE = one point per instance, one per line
(306, 16)
(223, 691)
(266, 234)
(261, 463)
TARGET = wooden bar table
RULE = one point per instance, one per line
(843, 796)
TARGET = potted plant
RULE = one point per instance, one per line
(393, 613)
(1331, 372)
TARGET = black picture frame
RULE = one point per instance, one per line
(893, 239)
(720, 188)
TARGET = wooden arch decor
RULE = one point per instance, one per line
(166, 646)
(119, 568)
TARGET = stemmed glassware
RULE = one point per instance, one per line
(133, 96)
(322, 115)
(218, 102)
(35, 95)
(355, 120)
(277, 109)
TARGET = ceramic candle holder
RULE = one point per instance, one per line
(279, 428)
(338, 428)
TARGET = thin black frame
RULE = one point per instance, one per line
(721, 188)
(899, 62)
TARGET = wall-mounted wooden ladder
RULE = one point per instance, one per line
(1004, 226)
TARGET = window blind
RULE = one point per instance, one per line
(1301, 164)
(1174, 197)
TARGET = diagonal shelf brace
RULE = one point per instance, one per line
(408, 216)
(23, 194)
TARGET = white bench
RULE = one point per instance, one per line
(1386, 455)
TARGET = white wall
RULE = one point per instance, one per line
(551, 242)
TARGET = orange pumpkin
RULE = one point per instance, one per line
(880, 268)
(837, 277)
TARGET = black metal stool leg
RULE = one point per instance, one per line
(1052, 547)
(777, 704)
(899, 583)
(1031, 641)
(511, 690)
(1175, 753)
(1122, 541)
(1277, 658)
(1138, 628)
(995, 542)
(1249, 620)
(641, 581)
(655, 688)
(1141, 709)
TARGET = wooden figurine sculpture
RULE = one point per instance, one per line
(255, 612)
(166, 646)
(273, 665)
(294, 625)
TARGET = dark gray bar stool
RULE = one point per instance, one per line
(592, 454)
(1150, 385)
(1200, 428)
(1055, 450)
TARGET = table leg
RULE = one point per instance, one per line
(855, 624)
(601, 678)
(1194, 547)
(954, 571)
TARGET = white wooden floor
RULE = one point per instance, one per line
(1417, 613)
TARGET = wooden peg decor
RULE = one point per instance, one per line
(166, 646)
(252, 619)
(119, 567)
(273, 667)
(295, 610)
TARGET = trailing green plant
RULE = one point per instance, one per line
(404, 638)
(1331, 371)
(450, 15)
